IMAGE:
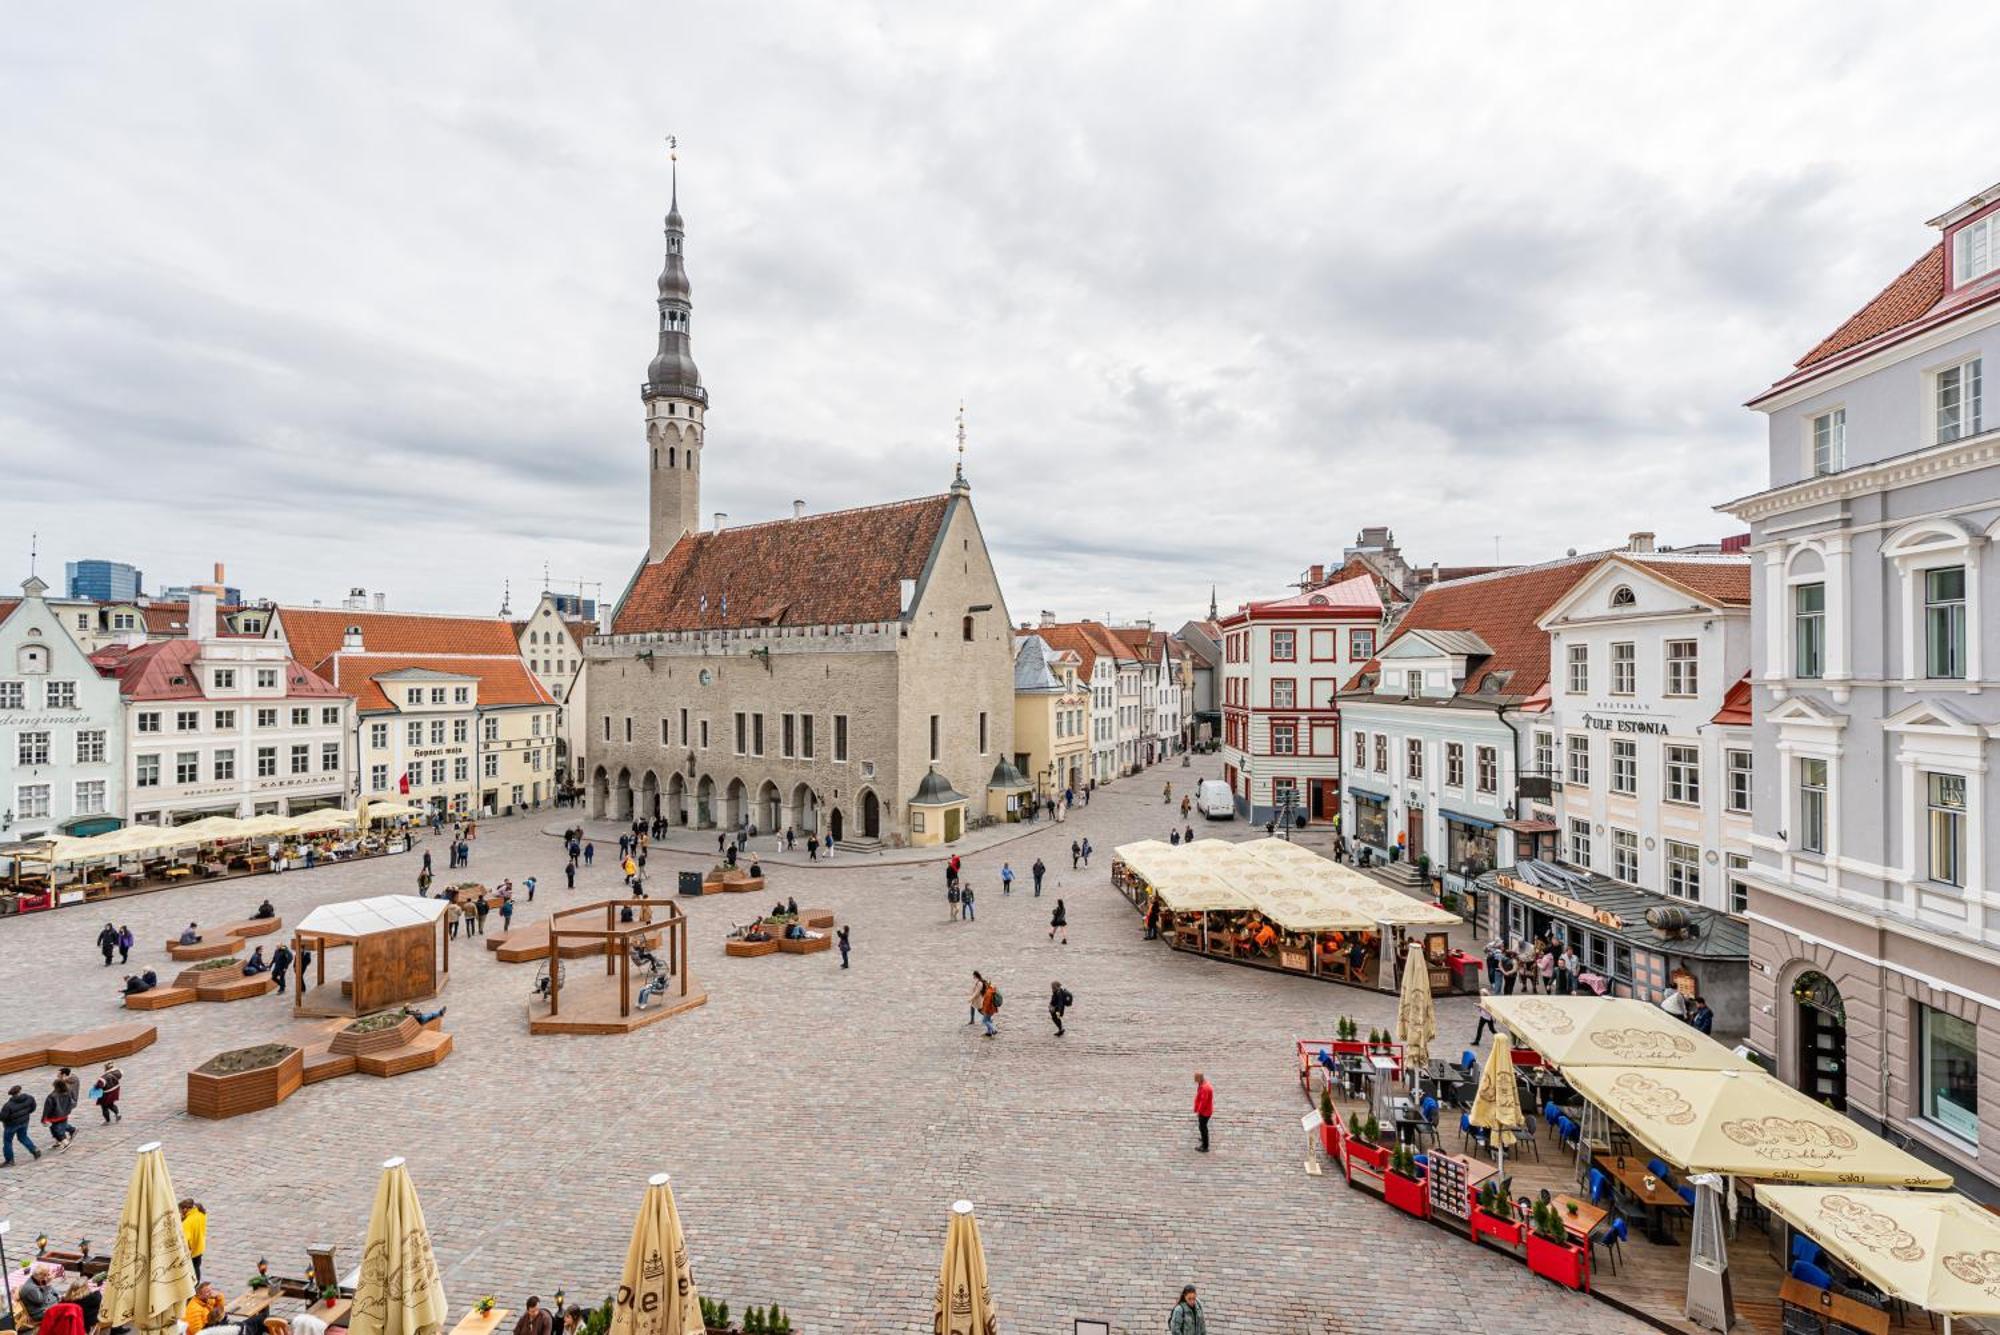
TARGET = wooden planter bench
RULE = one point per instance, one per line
(97, 1045)
(324, 1065)
(210, 949)
(159, 998)
(807, 946)
(734, 883)
(745, 950)
(225, 935)
(22, 1053)
(239, 1092)
(822, 918)
(377, 1040)
(225, 984)
(427, 1049)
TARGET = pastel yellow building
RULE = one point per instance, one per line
(1051, 716)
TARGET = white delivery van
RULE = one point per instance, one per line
(1215, 801)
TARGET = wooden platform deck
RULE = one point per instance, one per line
(21, 1054)
(101, 1044)
(531, 942)
(589, 1003)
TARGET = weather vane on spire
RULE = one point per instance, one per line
(674, 166)
(959, 474)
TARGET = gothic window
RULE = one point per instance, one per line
(672, 460)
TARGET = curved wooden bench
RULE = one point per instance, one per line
(211, 948)
(810, 945)
(816, 918)
(378, 1040)
(22, 1053)
(160, 998)
(225, 934)
(427, 1049)
(102, 1044)
(745, 950)
(734, 885)
(325, 1065)
(228, 985)
(254, 927)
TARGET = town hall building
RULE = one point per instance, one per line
(848, 673)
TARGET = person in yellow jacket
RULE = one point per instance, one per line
(194, 1227)
(206, 1308)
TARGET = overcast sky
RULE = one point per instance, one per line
(361, 294)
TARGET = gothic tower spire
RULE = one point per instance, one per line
(676, 403)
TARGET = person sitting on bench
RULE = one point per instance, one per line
(424, 1017)
(792, 907)
(134, 984)
(794, 932)
(256, 964)
(757, 932)
(756, 867)
(189, 936)
(264, 910)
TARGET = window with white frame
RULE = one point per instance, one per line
(329, 716)
(437, 732)
(1809, 630)
(225, 720)
(32, 748)
(1486, 769)
(1284, 645)
(1944, 623)
(90, 746)
(1284, 693)
(268, 718)
(61, 694)
(146, 771)
(224, 679)
(13, 695)
(1625, 855)
(187, 720)
(149, 720)
(1812, 804)
(1413, 757)
(414, 733)
(461, 767)
(378, 736)
(378, 778)
(1739, 891)
(489, 730)
(1683, 870)
(267, 762)
(1944, 813)
(1683, 667)
(267, 679)
(437, 695)
(438, 770)
(1381, 753)
(1579, 761)
(1960, 406)
(302, 717)
(92, 797)
(461, 695)
(1738, 764)
(223, 763)
(1683, 774)
(329, 757)
(1579, 668)
(1454, 765)
(31, 801)
(301, 759)
(1284, 793)
(1361, 750)
(1975, 250)
(1624, 668)
(1545, 752)
(1284, 739)
(1624, 767)
(187, 767)
(1579, 841)
(1829, 442)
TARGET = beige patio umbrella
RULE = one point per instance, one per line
(1610, 1031)
(964, 1302)
(1746, 1124)
(150, 1279)
(399, 1292)
(1935, 1249)
(1496, 1105)
(1416, 1013)
(656, 1293)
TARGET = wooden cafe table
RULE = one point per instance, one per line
(1659, 1199)
(477, 1322)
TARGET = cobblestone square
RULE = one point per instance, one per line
(817, 1122)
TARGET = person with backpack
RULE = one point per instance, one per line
(1059, 922)
(1060, 1000)
(978, 995)
(989, 1006)
(55, 1113)
(1187, 1318)
(108, 1087)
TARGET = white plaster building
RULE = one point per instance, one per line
(62, 726)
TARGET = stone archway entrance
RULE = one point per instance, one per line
(677, 799)
(770, 809)
(834, 824)
(621, 796)
(871, 815)
(1821, 1018)
(649, 796)
(805, 810)
(600, 793)
(735, 800)
(704, 803)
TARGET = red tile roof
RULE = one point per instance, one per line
(1736, 706)
(1725, 582)
(1354, 594)
(162, 670)
(503, 679)
(837, 568)
(316, 633)
(1501, 610)
(1914, 294)
(1090, 640)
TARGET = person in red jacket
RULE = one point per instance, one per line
(1204, 1106)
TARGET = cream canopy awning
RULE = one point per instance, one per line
(1748, 1124)
(1294, 887)
(1610, 1031)
(1932, 1248)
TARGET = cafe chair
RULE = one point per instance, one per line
(1809, 1273)
(1658, 1168)
(1468, 1134)
(1612, 1239)
(1569, 1131)
(1686, 1193)
(1467, 1060)
(1551, 1114)
(1600, 1186)
(1804, 1249)
(1428, 1111)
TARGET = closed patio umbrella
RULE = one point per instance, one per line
(399, 1292)
(1496, 1105)
(1416, 1013)
(964, 1302)
(151, 1278)
(656, 1293)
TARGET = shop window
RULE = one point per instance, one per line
(1597, 952)
(1949, 1076)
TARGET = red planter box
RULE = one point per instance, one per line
(1375, 1156)
(1329, 1139)
(1407, 1194)
(1506, 1231)
(1567, 1265)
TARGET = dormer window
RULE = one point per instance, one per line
(1622, 596)
(1975, 250)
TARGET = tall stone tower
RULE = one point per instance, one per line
(676, 404)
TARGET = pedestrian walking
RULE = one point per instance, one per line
(965, 900)
(1187, 1318)
(453, 913)
(427, 859)
(1059, 1003)
(124, 943)
(56, 1105)
(1167, 794)
(281, 960)
(506, 915)
(1006, 882)
(812, 848)
(1059, 922)
(978, 994)
(569, 873)
(951, 894)
(1174, 838)
(1204, 1106)
(14, 1115)
(840, 939)
(1186, 806)
(1187, 834)
(1040, 869)
(107, 941)
(1485, 1025)
(108, 1087)
(1075, 854)
(194, 1228)
(589, 852)
(1086, 852)
(989, 1006)
(480, 909)
(826, 846)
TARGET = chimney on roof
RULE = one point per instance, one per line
(1317, 575)
(201, 614)
(356, 599)
(219, 578)
(1641, 542)
(720, 520)
(351, 641)
(1048, 617)
(798, 509)
(381, 601)
(1434, 572)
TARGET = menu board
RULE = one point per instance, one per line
(1454, 1179)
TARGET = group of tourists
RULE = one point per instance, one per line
(56, 1107)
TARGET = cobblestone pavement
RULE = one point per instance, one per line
(818, 1123)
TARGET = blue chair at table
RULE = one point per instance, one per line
(1658, 1168)
(1804, 1249)
(1428, 1110)
(1686, 1193)
(1569, 1131)
(1612, 1239)
(1551, 1114)
(1600, 1186)
(1466, 1060)
(1468, 1134)
(1811, 1274)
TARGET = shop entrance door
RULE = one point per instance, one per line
(1415, 832)
(1822, 1040)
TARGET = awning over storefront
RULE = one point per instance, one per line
(1529, 826)
(1610, 1031)
(1476, 822)
(1746, 1123)
(1294, 887)
(1363, 795)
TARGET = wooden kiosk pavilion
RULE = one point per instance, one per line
(589, 1004)
(401, 954)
